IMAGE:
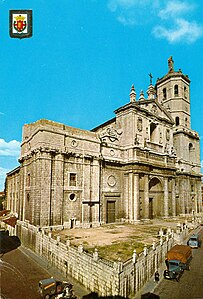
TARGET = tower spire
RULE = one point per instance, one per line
(132, 94)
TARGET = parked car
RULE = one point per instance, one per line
(194, 241)
(50, 287)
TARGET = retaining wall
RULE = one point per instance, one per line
(96, 274)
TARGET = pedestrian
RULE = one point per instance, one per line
(156, 276)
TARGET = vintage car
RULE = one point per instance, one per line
(194, 241)
(50, 287)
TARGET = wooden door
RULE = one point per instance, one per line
(110, 211)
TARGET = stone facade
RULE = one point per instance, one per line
(142, 164)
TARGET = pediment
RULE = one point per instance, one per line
(155, 109)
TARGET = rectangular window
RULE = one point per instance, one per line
(28, 180)
(72, 179)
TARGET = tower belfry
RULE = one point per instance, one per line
(173, 91)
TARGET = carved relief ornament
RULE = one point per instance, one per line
(139, 124)
(111, 134)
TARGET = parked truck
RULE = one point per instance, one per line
(177, 260)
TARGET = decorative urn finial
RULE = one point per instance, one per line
(132, 94)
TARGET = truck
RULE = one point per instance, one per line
(177, 260)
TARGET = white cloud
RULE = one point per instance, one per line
(174, 9)
(11, 148)
(173, 17)
(183, 30)
(113, 5)
(132, 12)
(127, 4)
(129, 21)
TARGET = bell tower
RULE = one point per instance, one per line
(173, 92)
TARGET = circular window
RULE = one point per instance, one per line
(112, 153)
(72, 197)
(74, 143)
(111, 180)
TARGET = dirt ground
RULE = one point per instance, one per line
(117, 241)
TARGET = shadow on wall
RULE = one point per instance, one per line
(150, 296)
(95, 296)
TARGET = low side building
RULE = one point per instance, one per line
(144, 163)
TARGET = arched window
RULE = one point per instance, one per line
(185, 92)
(177, 120)
(164, 93)
(191, 152)
(176, 90)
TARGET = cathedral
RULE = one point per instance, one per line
(142, 164)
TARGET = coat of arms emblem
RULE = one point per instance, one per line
(20, 23)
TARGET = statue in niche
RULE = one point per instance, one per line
(136, 141)
(166, 149)
(160, 138)
(173, 152)
(139, 124)
(154, 109)
(167, 134)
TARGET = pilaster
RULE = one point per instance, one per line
(146, 196)
(136, 198)
(173, 197)
(166, 214)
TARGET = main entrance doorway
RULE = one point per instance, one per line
(150, 208)
(155, 198)
(110, 217)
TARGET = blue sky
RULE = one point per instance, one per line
(83, 58)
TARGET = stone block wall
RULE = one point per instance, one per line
(99, 275)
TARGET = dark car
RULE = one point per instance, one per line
(194, 241)
(51, 287)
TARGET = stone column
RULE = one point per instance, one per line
(146, 196)
(58, 183)
(173, 197)
(187, 196)
(136, 197)
(95, 181)
(181, 195)
(45, 181)
(195, 199)
(126, 188)
(131, 196)
(165, 197)
(24, 193)
(199, 197)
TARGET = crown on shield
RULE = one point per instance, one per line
(20, 18)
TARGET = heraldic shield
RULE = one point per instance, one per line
(20, 23)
